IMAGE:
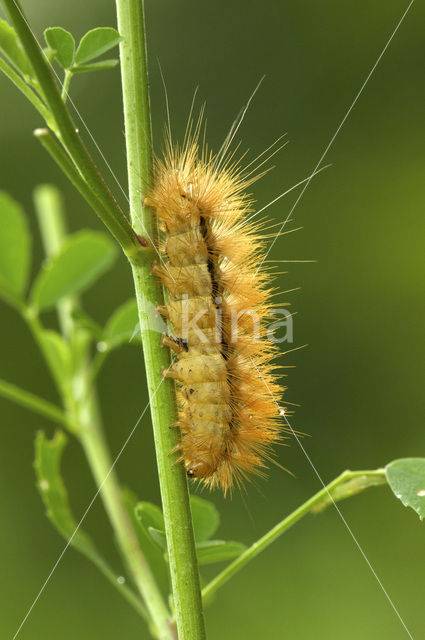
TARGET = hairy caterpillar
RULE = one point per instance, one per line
(217, 304)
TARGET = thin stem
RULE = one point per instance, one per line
(112, 216)
(137, 118)
(173, 483)
(25, 89)
(51, 221)
(34, 403)
(54, 413)
(66, 83)
(97, 364)
(59, 155)
(348, 483)
(94, 445)
(84, 409)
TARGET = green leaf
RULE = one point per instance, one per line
(61, 41)
(58, 355)
(96, 42)
(122, 326)
(205, 518)
(11, 47)
(218, 550)
(152, 521)
(158, 537)
(406, 478)
(151, 518)
(96, 66)
(15, 248)
(153, 554)
(150, 515)
(82, 259)
(48, 455)
(50, 54)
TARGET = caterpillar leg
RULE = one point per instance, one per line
(177, 345)
(162, 310)
(168, 372)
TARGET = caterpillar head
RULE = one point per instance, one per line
(198, 469)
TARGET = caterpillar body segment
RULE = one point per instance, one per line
(217, 304)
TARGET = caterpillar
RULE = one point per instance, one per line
(218, 302)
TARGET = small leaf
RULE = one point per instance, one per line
(50, 54)
(406, 478)
(205, 518)
(58, 355)
(122, 325)
(48, 455)
(11, 47)
(150, 515)
(154, 555)
(82, 259)
(151, 518)
(159, 537)
(96, 42)
(53, 491)
(15, 247)
(61, 41)
(95, 66)
(218, 550)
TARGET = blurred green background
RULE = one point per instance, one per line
(360, 382)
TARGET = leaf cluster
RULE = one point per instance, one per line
(83, 258)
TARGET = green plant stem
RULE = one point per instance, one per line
(173, 483)
(51, 221)
(84, 410)
(137, 119)
(328, 495)
(112, 216)
(66, 83)
(25, 89)
(57, 152)
(93, 442)
(33, 402)
(54, 413)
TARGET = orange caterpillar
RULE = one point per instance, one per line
(217, 304)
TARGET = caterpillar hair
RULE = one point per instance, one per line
(218, 305)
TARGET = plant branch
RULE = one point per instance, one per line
(66, 83)
(51, 221)
(25, 89)
(33, 402)
(137, 119)
(344, 486)
(112, 216)
(172, 478)
(84, 409)
(59, 155)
